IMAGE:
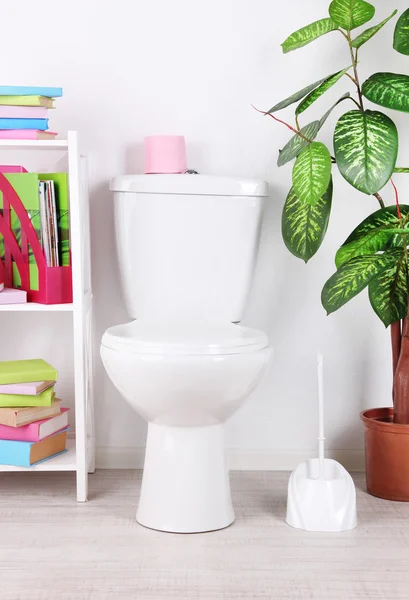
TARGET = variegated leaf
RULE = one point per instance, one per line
(401, 36)
(312, 173)
(390, 90)
(350, 14)
(366, 35)
(308, 34)
(304, 226)
(366, 148)
(371, 243)
(372, 235)
(388, 292)
(295, 97)
(384, 217)
(353, 277)
(320, 90)
(297, 143)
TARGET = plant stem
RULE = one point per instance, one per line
(351, 78)
(396, 336)
(293, 129)
(355, 102)
(396, 199)
(284, 123)
(379, 198)
(354, 58)
(401, 170)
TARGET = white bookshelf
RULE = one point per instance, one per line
(80, 456)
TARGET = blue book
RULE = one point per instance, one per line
(30, 90)
(37, 124)
(27, 454)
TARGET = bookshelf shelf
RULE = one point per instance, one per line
(37, 144)
(34, 307)
(81, 450)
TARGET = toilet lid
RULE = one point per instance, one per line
(155, 338)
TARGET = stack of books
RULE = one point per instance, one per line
(33, 426)
(24, 112)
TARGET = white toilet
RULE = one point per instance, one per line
(187, 247)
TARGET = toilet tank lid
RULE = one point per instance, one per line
(198, 185)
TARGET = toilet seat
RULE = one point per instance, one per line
(184, 338)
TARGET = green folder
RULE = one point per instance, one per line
(25, 371)
(17, 400)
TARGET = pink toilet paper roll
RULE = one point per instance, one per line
(165, 154)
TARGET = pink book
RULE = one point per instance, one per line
(23, 112)
(26, 389)
(34, 432)
(26, 134)
(12, 296)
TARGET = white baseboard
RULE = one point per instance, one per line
(110, 457)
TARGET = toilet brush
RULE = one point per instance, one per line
(321, 493)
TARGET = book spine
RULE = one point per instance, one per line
(15, 453)
(18, 134)
(26, 433)
(35, 124)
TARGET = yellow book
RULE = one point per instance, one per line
(46, 398)
(27, 101)
(25, 371)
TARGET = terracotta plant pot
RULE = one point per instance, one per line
(386, 455)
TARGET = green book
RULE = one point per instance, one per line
(63, 215)
(25, 371)
(46, 398)
(27, 101)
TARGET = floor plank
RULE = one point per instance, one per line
(51, 547)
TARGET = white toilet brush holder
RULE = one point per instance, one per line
(321, 493)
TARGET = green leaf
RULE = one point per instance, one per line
(388, 89)
(388, 292)
(297, 143)
(353, 277)
(374, 241)
(318, 91)
(350, 14)
(295, 97)
(312, 173)
(401, 36)
(401, 170)
(366, 148)
(304, 226)
(372, 234)
(327, 114)
(369, 33)
(308, 34)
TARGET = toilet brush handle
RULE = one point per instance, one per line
(321, 438)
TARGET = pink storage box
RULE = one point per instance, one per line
(165, 154)
(12, 169)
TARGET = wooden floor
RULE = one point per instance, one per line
(52, 548)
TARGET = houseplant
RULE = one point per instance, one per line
(375, 255)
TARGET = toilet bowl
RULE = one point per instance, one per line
(187, 248)
(185, 382)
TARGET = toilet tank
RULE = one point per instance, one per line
(187, 244)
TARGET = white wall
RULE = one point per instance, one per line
(133, 68)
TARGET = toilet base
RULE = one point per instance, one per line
(185, 485)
